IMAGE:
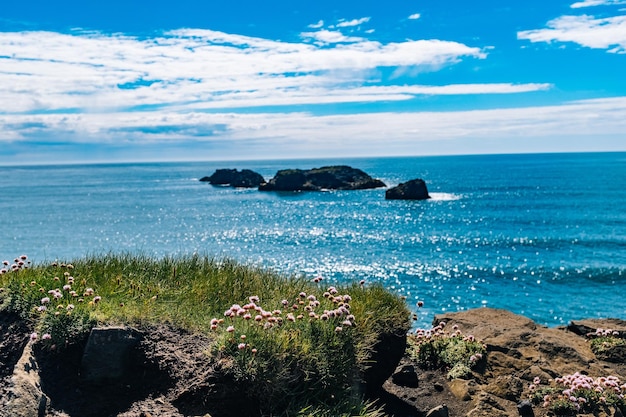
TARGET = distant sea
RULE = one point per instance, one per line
(543, 235)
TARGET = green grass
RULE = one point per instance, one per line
(308, 346)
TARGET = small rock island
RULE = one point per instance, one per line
(336, 177)
(245, 178)
(410, 190)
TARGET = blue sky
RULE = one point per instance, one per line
(210, 80)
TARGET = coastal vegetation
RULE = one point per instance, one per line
(296, 346)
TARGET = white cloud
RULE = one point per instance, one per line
(606, 33)
(45, 71)
(593, 3)
(353, 22)
(415, 16)
(325, 36)
(317, 25)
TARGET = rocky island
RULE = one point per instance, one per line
(410, 190)
(336, 177)
(245, 178)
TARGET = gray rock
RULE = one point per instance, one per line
(525, 409)
(27, 398)
(107, 355)
(406, 377)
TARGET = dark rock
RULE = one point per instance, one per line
(338, 177)
(410, 190)
(525, 409)
(244, 178)
(406, 377)
(107, 354)
(388, 352)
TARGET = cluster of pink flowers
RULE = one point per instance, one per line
(603, 333)
(19, 263)
(581, 389)
(303, 307)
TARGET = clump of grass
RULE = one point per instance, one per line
(59, 305)
(578, 393)
(454, 352)
(308, 347)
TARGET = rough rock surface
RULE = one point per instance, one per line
(518, 350)
(337, 177)
(411, 190)
(245, 178)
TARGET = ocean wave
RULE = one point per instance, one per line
(445, 196)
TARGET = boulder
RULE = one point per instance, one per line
(245, 178)
(337, 177)
(410, 190)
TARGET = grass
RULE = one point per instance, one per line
(294, 343)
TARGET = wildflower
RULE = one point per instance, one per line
(242, 337)
(284, 303)
(537, 380)
(5, 263)
(45, 300)
(247, 316)
(70, 307)
(41, 309)
(23, 257)
(241, 346)
(67, 287)
(420, 304)
(258, 317)
(338, 329)
(346, 323)
(46, 336)
(299, 316)
(33, 336)
(89, 291)
(291, 317)
(97, 299)
(324, 316)
(362, 282)
(214, 327)
(254, 299)
(302, 295)
(311, 297)
(254, 351)
(230, 329)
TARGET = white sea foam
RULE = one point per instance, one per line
(445, 196)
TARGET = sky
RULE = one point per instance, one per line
(190, 80)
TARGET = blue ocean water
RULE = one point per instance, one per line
(541, 235)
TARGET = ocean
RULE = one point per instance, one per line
(543, 235)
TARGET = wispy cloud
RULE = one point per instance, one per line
(402, 132)
(601, 33)
(325, 36)
(593, 3)
(415, 16)
(45, 71)
(317, 25)
(353, 22)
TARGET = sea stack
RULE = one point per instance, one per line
(410, 190)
